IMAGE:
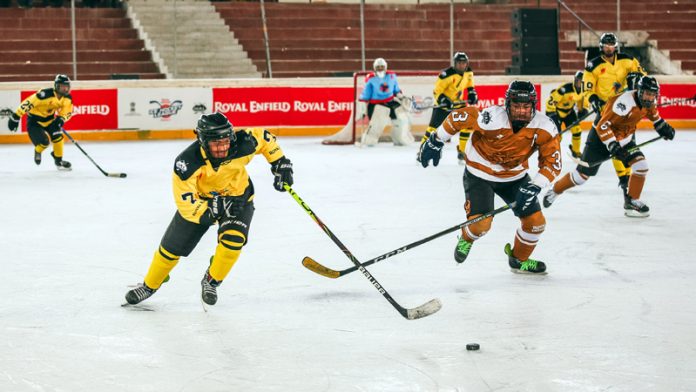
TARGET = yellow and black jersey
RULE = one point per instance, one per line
(564, 98)
(45, 105)
(607, 79)
(195, 179)
(452, 84)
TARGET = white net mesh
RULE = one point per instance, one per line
(417, 85)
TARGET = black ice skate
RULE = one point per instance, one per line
(61, 164)
(37, 157)
(529, 266)
(574, 153)
(636, 209)
(209, 289)
(623, 184)
(140, 293)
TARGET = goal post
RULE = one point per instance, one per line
(417, 85)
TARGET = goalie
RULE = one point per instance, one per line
(385, 103)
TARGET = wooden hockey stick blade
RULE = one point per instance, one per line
(317, 268)
(424, 310)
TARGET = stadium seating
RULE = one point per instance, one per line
(36, 45)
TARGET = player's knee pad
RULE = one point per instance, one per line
(578, 178)
(56, 137)
(477, 230)
(640, 166)
(232, 239)
(533, 225)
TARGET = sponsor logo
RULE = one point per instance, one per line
(199, 108)
(486, 117)
(621, 106)
(165, 108)
(101, 110)
(132, 111)
(181, 166)
(6, 112)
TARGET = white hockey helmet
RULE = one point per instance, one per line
(379, 62)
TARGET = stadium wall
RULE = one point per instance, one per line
(168, 109)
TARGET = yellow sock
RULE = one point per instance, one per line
(162, 263)
(58, 148)
(427, 133)
(576, 140)
(40, 148)
(463, 138)
(621, 170)
(226, 254)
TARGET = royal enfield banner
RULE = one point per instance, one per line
(92, 109)
(675, 101)
(162, 108)
(9, 101)
(284, 106)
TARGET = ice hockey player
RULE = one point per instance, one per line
(606, 76)
(613, 136)
(497, 158)
(561, 108)
(211, 185)
(384, 100)
(47, 111)
(449, 88)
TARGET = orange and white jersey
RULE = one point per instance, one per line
(620, 117)
(496, 153)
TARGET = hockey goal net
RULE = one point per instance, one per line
(417, 85)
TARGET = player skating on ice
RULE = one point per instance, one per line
(211, 186)
(503, 139)
(47, 111)
(561, 108)
(449, 88)
(612, 136)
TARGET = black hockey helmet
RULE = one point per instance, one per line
(609, 40)
(520, 91)
(213, 127)
(459, 56)
(61, 84)
(648, 91)
(577, 81)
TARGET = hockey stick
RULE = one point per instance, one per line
(424, 310)
(315, 267)
(417, 109)
(117, 175)
(597, 163)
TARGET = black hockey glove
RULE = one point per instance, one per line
(556, 120)
(13, 122)
(618, 152)
(597, 103)
(444, 103)
(431, 149)
(282, 170)
(472, 97)
(221, 207)
(525, 197)
(665, 130)
(583, 113)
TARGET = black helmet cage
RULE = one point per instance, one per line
(520, 91)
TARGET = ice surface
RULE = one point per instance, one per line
(617, 311)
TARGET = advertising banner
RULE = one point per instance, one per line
(162, 108)
(284, 106)
(9, 101)
(92, 109)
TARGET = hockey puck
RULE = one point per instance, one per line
(472, 347)
(123, 175)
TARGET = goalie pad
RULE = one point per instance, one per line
(380, 119)
(401, 129)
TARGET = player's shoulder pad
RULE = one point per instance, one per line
(624, 103)
(446, 73)
(245, 143)
(189, 161)
(566, 88)
(45, 93)
(594, 63)
(369, 76)
(543, 122)
(492, 118)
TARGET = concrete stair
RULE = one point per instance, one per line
(191, 40)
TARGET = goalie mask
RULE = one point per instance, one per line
(380, 67)
(648, 91)
(215, 135)
(61, 85)
(608, 44)
(520, 103)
